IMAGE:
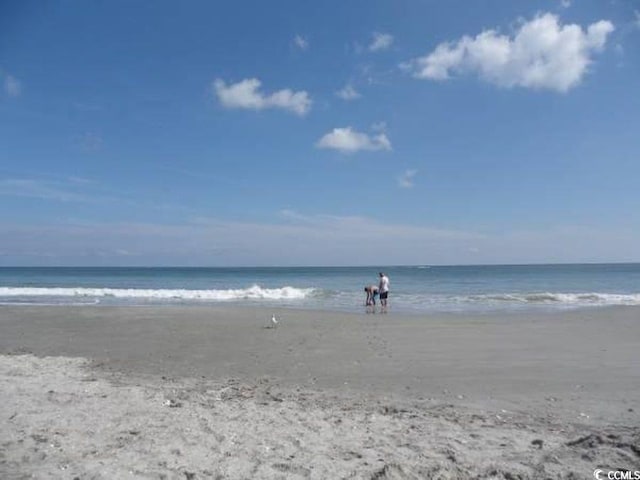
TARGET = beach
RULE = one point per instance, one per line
(210, 392)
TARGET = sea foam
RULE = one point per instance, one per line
(252, 293)
(591, 298)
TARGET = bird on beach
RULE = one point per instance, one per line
(273, 323)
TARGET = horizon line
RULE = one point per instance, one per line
(333, 266)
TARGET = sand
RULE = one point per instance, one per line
(203, 392)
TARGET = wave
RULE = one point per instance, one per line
(591, 298)
(313, 297)
(252, 293)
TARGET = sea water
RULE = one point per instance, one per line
(414, 289)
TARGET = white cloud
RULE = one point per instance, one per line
(565, 3)
(246, 94)
(292, 239)
(366, 227)
(302, 239)
(406, 179)
(381, 41)
(347, 140)
(300, 42)
(542, 54)
(348, 93)
(12, 86)
(59, 188)
(44, 190)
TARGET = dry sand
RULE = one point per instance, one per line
(177, 392)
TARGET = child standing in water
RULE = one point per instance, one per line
(371, 292)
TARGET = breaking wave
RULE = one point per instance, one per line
(252, 293)
(577, 299)
(321, 298)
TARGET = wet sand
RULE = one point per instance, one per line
(200, 392)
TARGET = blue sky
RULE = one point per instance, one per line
(319, 133)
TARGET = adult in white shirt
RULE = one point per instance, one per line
(383, 289)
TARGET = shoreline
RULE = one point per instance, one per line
(396, 306)
(156, 392)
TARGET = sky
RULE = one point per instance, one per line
(367, 132)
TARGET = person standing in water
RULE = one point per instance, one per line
(371, 291)
(383, 289)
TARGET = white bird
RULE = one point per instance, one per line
(273, 323)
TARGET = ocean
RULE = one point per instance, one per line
(414, 289)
